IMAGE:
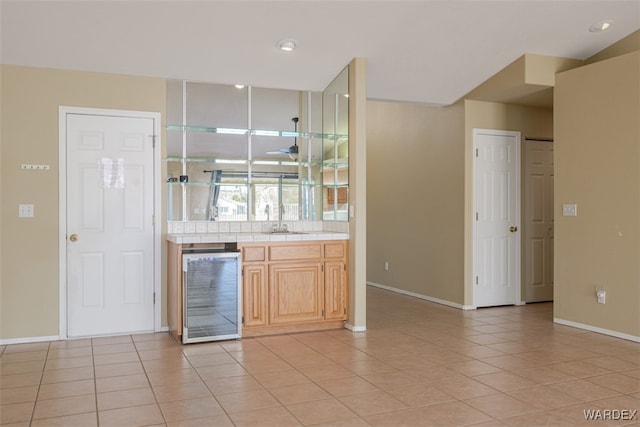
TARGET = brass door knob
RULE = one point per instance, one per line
(513, 229)
(73, 237)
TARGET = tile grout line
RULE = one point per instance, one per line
(354, 373)
(95, 384)
(195, 369)
(35, 402)
(155, 397)
(293, 336)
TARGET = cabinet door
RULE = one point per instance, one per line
(296, 292)
(335, 290)
(254, 296)
(174, 290)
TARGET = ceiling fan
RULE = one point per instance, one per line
(292, 151)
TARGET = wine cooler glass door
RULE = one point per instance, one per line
(211, 297)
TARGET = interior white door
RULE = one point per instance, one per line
(496, 199)
(110, 234)
(539, 221)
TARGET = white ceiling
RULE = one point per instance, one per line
(420, 51)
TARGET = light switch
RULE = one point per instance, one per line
(25, 211)
(569, 210)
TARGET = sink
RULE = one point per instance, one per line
(284, 232)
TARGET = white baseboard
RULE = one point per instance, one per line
(354, 328)
(421, 296)
(28, 340)
(596, 329)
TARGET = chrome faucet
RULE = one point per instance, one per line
(281, 227)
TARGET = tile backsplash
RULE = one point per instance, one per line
(201, 227)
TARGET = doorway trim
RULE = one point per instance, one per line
(63, 111)
(517, 299)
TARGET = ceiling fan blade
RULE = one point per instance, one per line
(292, 150)
(281, 151)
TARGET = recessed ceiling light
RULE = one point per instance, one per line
(600, 26)
(239, 86)
(287, 45)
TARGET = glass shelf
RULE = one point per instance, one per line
(327, 164)
(258, 182)
(207, 160)
(258, 132)
(339, 164)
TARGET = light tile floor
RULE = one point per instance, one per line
(418, 364)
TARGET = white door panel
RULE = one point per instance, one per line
(496, 251)
(110, 210)
(539, 221)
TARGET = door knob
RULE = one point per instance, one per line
(513, 229)
(73, 237)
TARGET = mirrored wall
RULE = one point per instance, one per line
(257, 154)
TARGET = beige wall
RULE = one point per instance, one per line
(415, 203)
(628, 44)
(597, 158)
(30, 98)
(358, 144)
(531, 122)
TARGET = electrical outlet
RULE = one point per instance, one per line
(386, 266)
(601, 294)
(569, 209)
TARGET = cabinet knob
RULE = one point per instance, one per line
(73, 237)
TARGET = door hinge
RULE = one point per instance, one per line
(243, 320)
(323, 312)
(476, 216)
(154, 298)
(476, 280)
(153, 141)
(153, 220)
(345, 310)
(476, 152)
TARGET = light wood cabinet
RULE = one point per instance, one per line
(174, 288)
(335, 280)
(342, 195)
(255, 295)
(306, 287)
(296, 292)
(335, 290)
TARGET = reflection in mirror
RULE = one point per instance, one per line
(275, 155)
(256, 154)
(335, 172)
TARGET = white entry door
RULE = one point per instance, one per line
(496, 226)
(539, 221)
(110, 237)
